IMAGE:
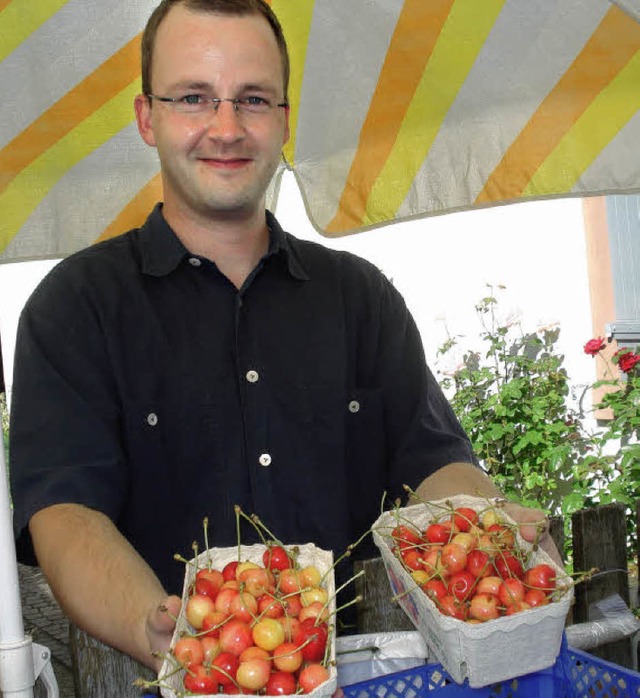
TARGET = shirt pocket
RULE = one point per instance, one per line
(366, 437)
(166, 439)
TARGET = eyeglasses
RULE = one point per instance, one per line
(198, 104)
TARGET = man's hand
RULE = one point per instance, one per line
(160, 626)
(534, 528)
(465, 478)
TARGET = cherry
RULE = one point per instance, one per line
(312, 640)
(275, 557)
(281, 683)
(199, 680)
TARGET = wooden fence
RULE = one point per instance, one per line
(599, 541)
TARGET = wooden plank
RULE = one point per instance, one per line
(103, 672)
(556, 531)
(378, 612)
(599, 541)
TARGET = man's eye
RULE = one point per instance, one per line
(255, 101)
(192, 99)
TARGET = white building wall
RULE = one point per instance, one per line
(442, 266)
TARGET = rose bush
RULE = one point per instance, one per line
(593, 346)
(529, 425)
(627, 360)
(513, 400)
(616, 451)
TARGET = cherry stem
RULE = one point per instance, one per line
(338, 590)
(327, 648)
(493, 502)
(176, 668)
(224, 673)
(205, 526)
(164, 609)
(180, 558)
(298, 648)
(398, 597)
(238, 511)
(253, 520)
(194, 547)
(276, 602)
(353, 601)
(351, 579)
(590, 574)
(346, 554)
(204, 633)
(143, 683)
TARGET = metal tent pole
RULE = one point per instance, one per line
(16, 653)
(22, 661)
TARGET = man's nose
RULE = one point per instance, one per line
(224, 120)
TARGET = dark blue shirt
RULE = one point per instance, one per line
(148, 387)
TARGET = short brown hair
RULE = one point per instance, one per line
(223, 7)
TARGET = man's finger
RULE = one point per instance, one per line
(165, 616)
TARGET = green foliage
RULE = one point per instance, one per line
(514, 399)
(616, 451)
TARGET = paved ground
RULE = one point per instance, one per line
(47, 625)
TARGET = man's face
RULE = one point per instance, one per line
(215, 164)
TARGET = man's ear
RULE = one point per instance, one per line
(142, 106)
(287, 133)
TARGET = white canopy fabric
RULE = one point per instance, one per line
(401, 109)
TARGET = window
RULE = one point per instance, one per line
(623, 221)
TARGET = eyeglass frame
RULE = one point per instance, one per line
(215, 103)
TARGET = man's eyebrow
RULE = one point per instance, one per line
(187, 85)
(208, 87)
(258, 87)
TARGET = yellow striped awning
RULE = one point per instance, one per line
(401, 109)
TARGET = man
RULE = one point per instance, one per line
(209, 359)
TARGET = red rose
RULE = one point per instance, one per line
(593, 346)
(627, 361)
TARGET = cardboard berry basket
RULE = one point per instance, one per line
(481, 653)
(171, 682)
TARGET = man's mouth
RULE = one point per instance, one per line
(225, 163)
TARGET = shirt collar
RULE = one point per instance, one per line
(280, 244)
(160, 248)
(162, 251)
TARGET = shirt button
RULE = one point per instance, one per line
(354, 406)
(194, 261)
(152, 419)
(252, 376)
(265, 459)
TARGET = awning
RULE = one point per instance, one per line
(400, 110)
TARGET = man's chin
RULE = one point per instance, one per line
(232, 209)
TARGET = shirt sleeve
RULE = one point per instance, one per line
(64, 442)
(424, 432)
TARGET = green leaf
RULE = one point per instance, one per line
(572, 502)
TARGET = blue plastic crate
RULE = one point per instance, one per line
(575, 674)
